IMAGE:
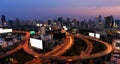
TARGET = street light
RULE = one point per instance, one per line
(36, 57)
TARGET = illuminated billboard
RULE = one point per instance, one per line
(97, 35)
(92, 34)
(5, 30)
(36, 43)
(32, 32)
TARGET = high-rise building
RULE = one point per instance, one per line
(109, 22)
(117, 24)
(17, 21)
(68, 19)
(10, 22)
(99, 22)
(49, 22)
(60, 19)
(3, 20)
(99, 18)
(68, 22)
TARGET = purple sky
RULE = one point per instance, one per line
(48, 9)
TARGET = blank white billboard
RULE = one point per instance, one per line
(36, 43)
(92, 34)
(5, 30)
(97, 35)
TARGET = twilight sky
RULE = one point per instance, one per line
(47, 9)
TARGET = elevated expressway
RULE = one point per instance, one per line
(86, 55)
(56, 55)
(59, 50)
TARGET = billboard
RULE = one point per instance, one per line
(5, 30)
(92, 34)
(32, 32)
(36, 43)
(97, 35)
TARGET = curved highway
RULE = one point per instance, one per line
(89, 45)
(80, 57)
(62, 48)
(108, 50)
(55, 53)
(13, 50)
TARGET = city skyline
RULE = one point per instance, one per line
(49, 9)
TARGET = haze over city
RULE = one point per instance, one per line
(49, 9)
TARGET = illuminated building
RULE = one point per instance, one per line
(109, 22)
(99, 22)
(116, 46)
(117, 24)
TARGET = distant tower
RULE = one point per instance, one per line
(99, 23)
(60, 19)
(17, 21)
(99, 18)
(49, 22)
(109, 22)
(10, 22)
(68, 19)
(3, 20)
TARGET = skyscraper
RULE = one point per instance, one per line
(99, 23)
(10, 22)
(117, 23)
(49, 22)
(99, 18)
(60, 19)
(3, 19)
(109, 22)
(17, 21)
